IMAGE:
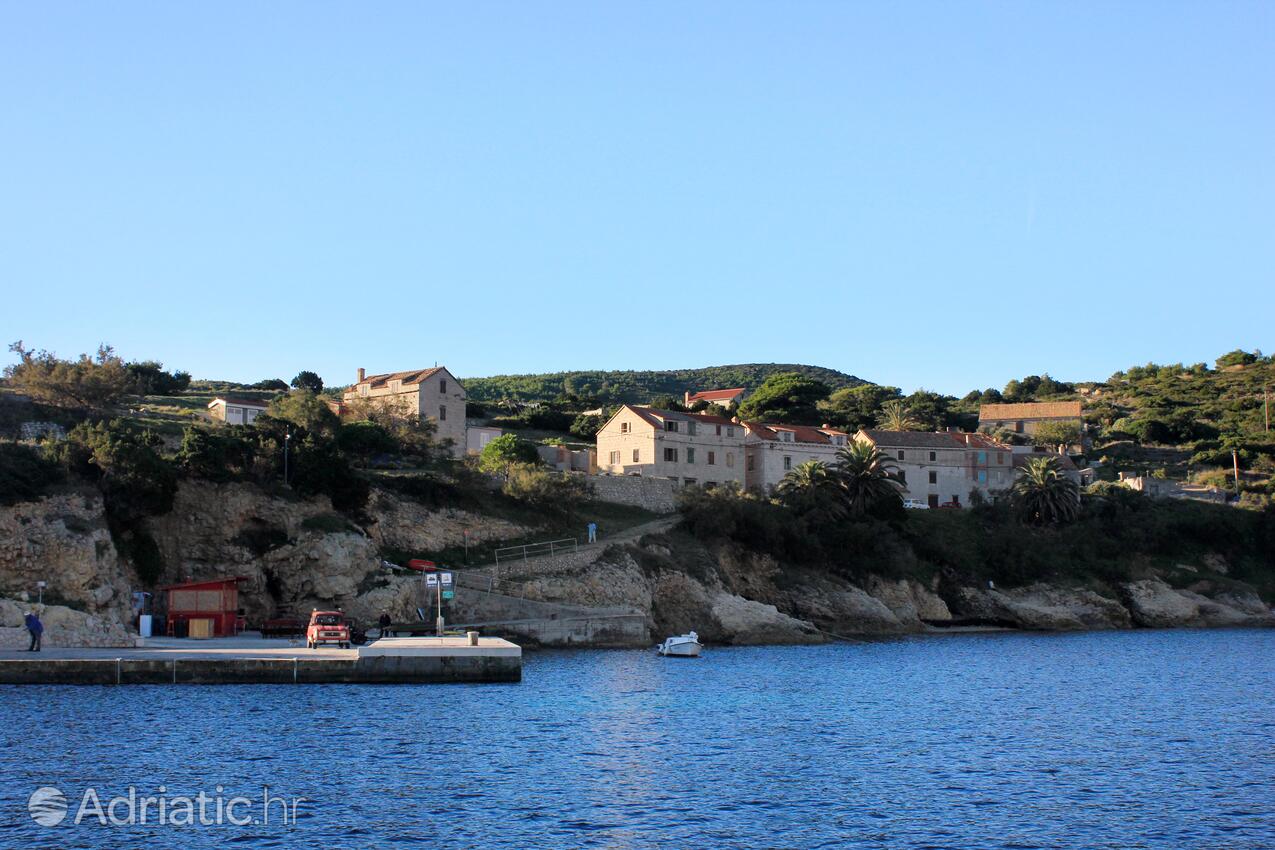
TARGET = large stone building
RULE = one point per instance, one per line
(693, 448)
(944, 467)
(774, 450)
(432, 394)
(724, 398)
(1026, 418)
(696, 448)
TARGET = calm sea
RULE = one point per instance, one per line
(1121, 740)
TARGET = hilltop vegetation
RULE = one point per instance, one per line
(640, 387)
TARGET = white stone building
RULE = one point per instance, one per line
(774, 450)
(942, 468)
(236, 411)
(692, 448)
(432, 394)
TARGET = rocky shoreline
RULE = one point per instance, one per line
(297, 554)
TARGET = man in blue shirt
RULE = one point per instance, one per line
(36, 628)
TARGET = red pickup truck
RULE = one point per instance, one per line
(327, 627)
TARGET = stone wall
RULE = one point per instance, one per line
(654, 494)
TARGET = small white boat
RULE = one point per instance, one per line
(681, 646)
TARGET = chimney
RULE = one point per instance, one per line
(686, 398)
(362, 374)
(825, 426)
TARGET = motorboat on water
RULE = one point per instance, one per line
(681, 646)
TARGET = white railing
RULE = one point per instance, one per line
(535, 550)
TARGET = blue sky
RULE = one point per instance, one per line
(923, 194)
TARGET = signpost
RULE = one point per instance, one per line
(444, 588)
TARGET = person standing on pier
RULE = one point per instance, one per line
(36, 628)
(593, 532)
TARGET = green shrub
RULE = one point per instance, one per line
(25, 474)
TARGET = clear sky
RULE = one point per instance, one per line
(940, 194)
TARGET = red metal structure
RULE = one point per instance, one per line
(216, 600)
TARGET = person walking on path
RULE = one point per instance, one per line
(36, 628)
(593, 532)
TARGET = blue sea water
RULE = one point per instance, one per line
(1143, 739)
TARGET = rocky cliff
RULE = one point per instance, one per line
(295, 554)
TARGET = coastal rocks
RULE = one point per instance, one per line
(1153, 604)
(412, 527)
(746, 622)
(615, 580)
(62, 540)
(1041, 607)
(911, 602)
(62, 627)
(844, 609)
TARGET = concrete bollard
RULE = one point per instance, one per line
(473, 638)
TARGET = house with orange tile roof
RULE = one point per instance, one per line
(944, 467)
(773, 450)
(691, 448)
(724, 398)
(432, 394)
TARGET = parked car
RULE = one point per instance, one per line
(327, 627)
(955, 505)
(915, 505)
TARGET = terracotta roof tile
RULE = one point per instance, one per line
(715, 395)
(412, 376)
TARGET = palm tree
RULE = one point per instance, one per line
(1044, 495)
(812, 488)
(895, 416)
(866, 476)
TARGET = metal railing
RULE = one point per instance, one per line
(535, 550)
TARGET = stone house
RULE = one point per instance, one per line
(432, 394)
(693, 448)
(1026, 418)
(724, 398)
(236, 411)
(944, 467)
(774, 450)
(1022, 455)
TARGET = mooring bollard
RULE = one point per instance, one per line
(118, 663)
(294, 669)
(174, 663)
(473, 638)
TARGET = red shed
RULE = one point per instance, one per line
(216, 600)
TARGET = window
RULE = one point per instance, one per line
(934, 478)
(442, 413)
(903, 477)
(637, 453)
(932, 500)
(690, 428)
(1018, 427)
(752, 462)
(234, 411)
(982, 476)
(442, 385)
(689, 480)
(1000, 457)
(787, 462)
(719, 430)
(670, 425)
(690, 455)
(900, 454)
(982, 458)
(730, 430)
(712, 458)
(730, 460)
(785, 436)
(934, 456)
(615, 458)
(670, 455)
(624, 427)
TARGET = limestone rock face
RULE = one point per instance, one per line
(909, 601)
(62, 627)
(1043, 606)
(63, 540)
(744, 621)
(615, 580)
(1154, 604)
(412, 527)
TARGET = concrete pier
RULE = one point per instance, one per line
(252, 660)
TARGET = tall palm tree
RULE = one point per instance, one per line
(895, 416)
(812, 488)
(1044, 494)
(867, 477)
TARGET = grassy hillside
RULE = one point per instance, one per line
(641, 386)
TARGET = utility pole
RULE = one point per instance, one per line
(1235, 462)
(287, 438)
(1266, 404)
